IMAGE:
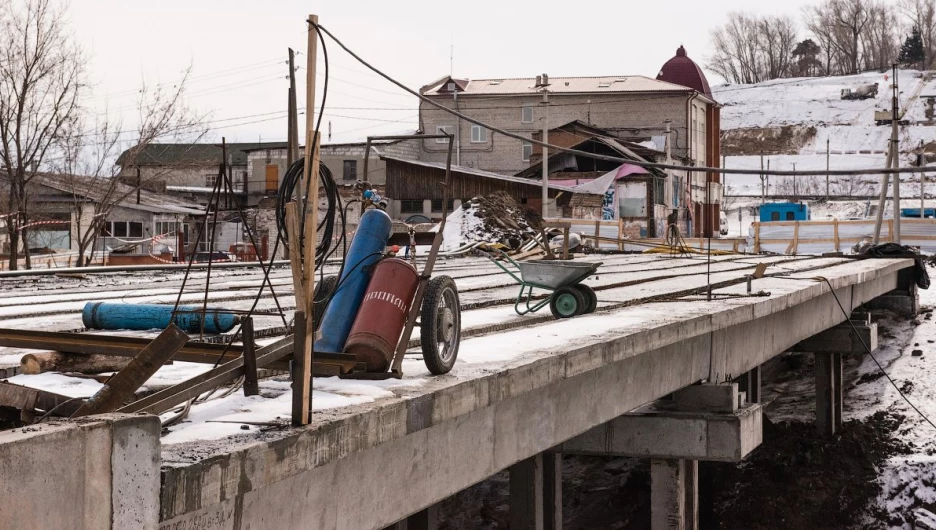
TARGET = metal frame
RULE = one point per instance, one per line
(396, 370)
(525, 296)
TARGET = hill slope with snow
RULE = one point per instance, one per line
(815, 105)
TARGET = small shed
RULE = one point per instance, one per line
(415, 187)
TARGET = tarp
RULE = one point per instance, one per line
(601, 184)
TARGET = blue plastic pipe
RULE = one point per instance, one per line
(368, 245)
(103, 315)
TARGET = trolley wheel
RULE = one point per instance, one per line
(567, 302)
(323, 290)
(591, 298)
(440, 325)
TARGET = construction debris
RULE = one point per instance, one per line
(122, 386)
(496, 218)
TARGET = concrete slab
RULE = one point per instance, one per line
(459, 429)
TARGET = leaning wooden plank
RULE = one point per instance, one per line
(18, 396)
(177, 394)
(38, 363)
(121, 387)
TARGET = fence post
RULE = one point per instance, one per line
(835, 233)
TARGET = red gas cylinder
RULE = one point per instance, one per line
(382, 315)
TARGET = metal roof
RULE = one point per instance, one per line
(613, 84)
(476, 172)
(682, 70)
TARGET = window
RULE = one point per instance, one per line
(123, 229)
(437, 205)
(526, 114)
(774, 216)
(790, 216)
(478, 134)
(411, 206)
(350, 169)
(659, 191)
(443, 129)
(526, 151)
(211, 179)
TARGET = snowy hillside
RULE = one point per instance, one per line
(814, 109)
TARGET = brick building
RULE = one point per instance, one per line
(678, 104)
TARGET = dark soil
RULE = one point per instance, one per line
(798, 479)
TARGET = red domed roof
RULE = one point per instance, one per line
(681, 70)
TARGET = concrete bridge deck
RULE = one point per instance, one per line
(513, 394)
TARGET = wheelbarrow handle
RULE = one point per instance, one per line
(487, 254)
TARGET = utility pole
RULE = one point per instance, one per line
(920, 163)
(763, 185)
(895, 158)
(292, 138)
(885, 179)
(544, 84)
(827, 167)
(794, 181)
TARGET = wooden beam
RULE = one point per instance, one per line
(125, 383)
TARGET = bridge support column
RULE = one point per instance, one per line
(552, 490)
(427, 519)
(856, 337)
(674, 494)
(526, 494)
(828, 392)
(750, 384)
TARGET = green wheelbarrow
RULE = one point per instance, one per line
(568, 297)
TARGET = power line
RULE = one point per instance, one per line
(651, 165)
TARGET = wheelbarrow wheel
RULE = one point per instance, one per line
(591, 298)
(440, 325)
(567, 302)
(323, 290)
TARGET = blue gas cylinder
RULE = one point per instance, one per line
(104, 315)
(368, 245)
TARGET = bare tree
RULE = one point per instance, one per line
(922, 15)
(750, 49)
(880, 39)
(41, 79)
(89, 163)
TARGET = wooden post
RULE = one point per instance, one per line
(251, 385)
(835, 233)
(620, 234)
(304, 276)
(302, 385)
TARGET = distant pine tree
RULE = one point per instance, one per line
(911, 51)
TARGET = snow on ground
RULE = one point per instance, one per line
(908, 480)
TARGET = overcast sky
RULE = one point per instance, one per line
(237, 49)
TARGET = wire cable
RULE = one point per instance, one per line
(609, 158)
(868, 349)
